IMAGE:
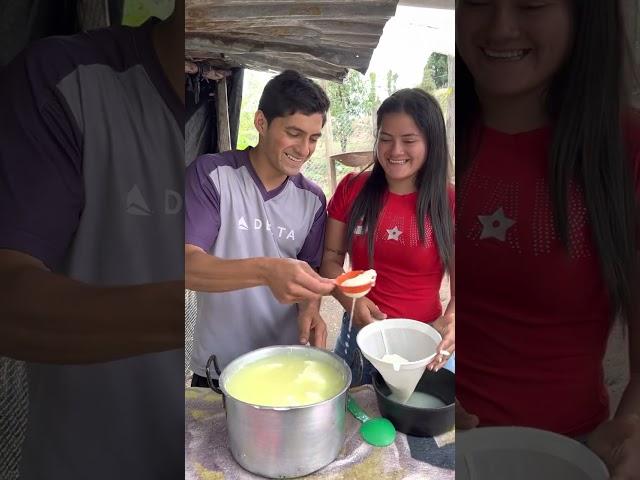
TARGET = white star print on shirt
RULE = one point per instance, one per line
(495, 225)
(394, 234)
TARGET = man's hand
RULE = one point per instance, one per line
(464, 420)
(311, 326)
(617, 443)
(43, 316)
(366, 312)
(293, 281)
(446, 326)
(290, 280)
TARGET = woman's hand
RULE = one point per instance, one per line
(366, 312)
(446, 327)
(617, 443)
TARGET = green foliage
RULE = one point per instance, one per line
(392, 82)
(427, 84)
(437, 65)
(254, 83)
(348, 102)
(247, 133)
(442, 96)
(136, 12)
(372, 99)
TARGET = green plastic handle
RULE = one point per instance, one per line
(355, 409)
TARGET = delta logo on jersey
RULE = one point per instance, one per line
(135, 204)
(258, 224)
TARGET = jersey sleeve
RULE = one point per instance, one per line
(41, 185)
(313, 247)
(202, 204)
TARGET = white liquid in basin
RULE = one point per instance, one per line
(422, 400)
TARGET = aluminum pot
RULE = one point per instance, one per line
(284, 442)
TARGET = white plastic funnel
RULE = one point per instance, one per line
(412, 340)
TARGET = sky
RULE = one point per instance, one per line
(407, 41)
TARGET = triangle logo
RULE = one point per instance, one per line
(136, 205)
(242, 224)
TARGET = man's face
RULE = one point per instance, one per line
(513, 47)
(288, 142)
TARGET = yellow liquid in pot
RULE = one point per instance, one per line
(285, 381)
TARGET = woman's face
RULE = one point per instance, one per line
(401, 148)
(513, 47)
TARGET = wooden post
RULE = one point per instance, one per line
(224, 131)
(328, 139)
(331, 161)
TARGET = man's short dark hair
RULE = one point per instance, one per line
(290, 93)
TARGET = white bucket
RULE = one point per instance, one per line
(505, 453)
(412, 340)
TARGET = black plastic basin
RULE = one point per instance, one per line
(420, 422)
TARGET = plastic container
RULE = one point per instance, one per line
(412, 340)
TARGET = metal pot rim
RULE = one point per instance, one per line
(223, 376)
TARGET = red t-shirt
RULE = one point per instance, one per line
(409, 272)
(532, 320)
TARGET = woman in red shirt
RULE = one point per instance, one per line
(398, 220)
(546, 220)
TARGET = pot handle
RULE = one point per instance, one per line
(214, 360)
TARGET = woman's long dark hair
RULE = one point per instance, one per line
(432, 180)
(584, 102)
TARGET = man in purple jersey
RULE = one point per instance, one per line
(254, 232)
(91, 239)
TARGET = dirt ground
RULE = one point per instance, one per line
(616, 364)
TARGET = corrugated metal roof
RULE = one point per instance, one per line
(321, 39)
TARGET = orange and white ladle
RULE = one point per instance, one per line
(355, 284)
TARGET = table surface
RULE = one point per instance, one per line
(207, 456)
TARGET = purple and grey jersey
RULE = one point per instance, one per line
(229, 214)
(91, 177)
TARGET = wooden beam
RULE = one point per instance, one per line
(444, 4)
